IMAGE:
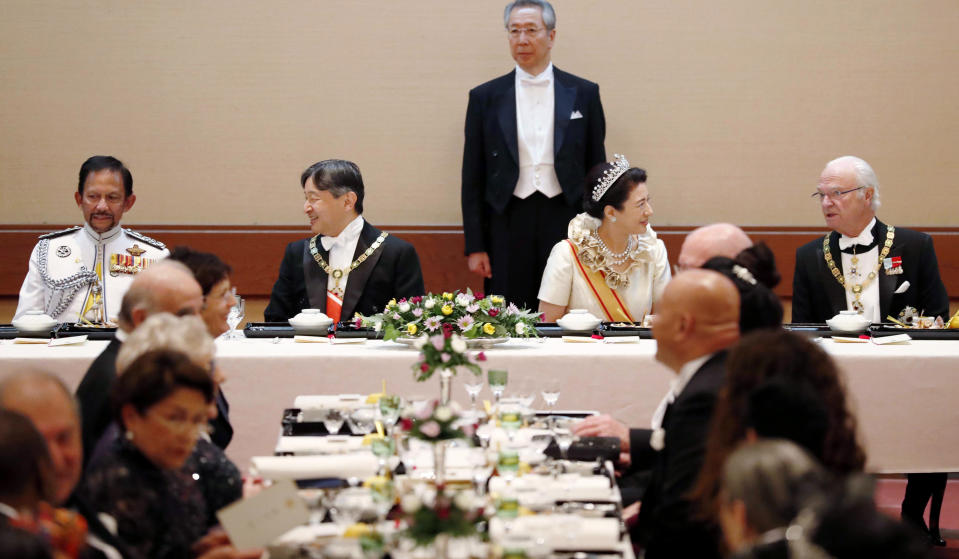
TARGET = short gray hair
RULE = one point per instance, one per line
(185, 334)
(865, 176)
(143, 290)
(775, 479)
(549, 15)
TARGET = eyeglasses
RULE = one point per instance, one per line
(835, 194)
(228, 295)
(517, 32)
(183, 425)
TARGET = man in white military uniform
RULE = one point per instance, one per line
(80, 274)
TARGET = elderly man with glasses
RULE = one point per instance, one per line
(877, 270)
(530, 138)
(863, 264)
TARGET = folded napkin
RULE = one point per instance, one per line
(563, 531)
(566, 487)
(358, 464)
(306, 445)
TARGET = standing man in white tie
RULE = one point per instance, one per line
(348, 266)
(875, 269)
(531, 136)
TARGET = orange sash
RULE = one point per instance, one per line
(608, 299)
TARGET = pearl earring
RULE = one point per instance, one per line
(129, 435)
(613, 219)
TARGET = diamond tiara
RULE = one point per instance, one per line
(620, 166)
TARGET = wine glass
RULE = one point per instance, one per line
(362, 421)
(473, 386)
(526, 391)
(550, 393)
(390, 410)
(510, 418)
(235, 316)
(383, 448)
(564, 439)
(507, 463)
(333, 420)
(497, 382)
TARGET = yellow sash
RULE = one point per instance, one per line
(608, 299)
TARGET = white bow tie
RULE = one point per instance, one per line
(864, 238)
(330, 242)
(536, 82)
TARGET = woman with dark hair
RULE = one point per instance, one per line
(143, 480)
(759, 307)
(213, 275)
(611, 264)
(763, 363)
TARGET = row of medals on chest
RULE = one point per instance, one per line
(117, 260)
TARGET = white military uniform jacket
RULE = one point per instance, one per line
(68, 267)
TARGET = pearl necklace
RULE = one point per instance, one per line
(614, 258)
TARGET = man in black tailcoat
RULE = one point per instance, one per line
(531, 137)
(348, 266)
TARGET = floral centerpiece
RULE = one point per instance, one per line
(470, 316)
(434, 423)
(448, 515)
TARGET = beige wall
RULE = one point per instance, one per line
(217, 106)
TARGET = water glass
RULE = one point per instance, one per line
(235, 316)
(333, 420)
(507, 463)
(497, 382)
(362, 421)
(473, 386)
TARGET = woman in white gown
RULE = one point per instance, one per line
(612, 264)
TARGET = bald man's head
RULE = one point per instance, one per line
(698, 314)
(46, 401)
(718, 239)
(166, 286)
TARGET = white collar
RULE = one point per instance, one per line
(101, 238)
(686, 373)
(864, 237)
(8, 511)
(545, 76)
(349, 234)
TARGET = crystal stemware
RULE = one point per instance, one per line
(235, 317)
(333, 420)
(362, 421)
(473, 386)
(497, 382)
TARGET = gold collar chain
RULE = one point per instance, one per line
(338, 273)
(858, 288)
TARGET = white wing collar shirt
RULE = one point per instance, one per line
(341, 249)
(65, 267)
(858, 273)
(657, 438)
(535, 119)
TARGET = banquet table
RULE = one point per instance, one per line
(904, 396)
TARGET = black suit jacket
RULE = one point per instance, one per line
(818, 296)
(393, 271)
(93, 395)
(491, 152)
(667, 525)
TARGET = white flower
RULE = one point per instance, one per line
(378, 326)
(419, 342)
(520, 327)
(458, 344)
(464, 500)
(463, 299)
(404, 306)
(429, 303)
(410, 503)
(443, 413)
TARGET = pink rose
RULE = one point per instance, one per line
(431, 429)
(438, 342)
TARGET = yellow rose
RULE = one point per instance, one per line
(392, 303)
(489, 329)
(411, 329)
(447, 309)
(497, 299)
(447, 295)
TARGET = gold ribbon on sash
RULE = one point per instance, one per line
(608, 299)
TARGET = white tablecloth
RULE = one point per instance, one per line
(904, 396)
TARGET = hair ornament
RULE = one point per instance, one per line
(744, 274)
(620, 166)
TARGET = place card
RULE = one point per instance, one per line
(311, 339)
(69, 340)
(897, 339)
(31, 340)
(264, 517)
